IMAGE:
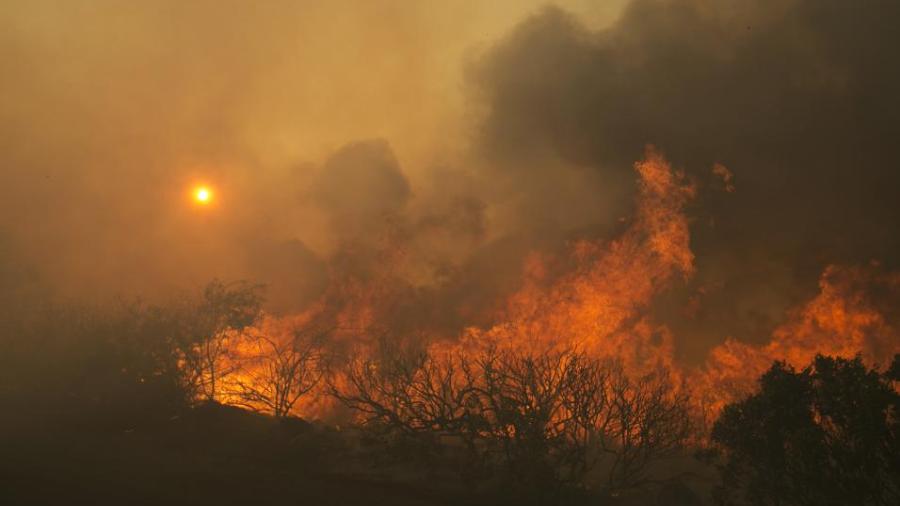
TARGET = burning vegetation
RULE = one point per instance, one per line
(594, 300)
(501, 307)
(572, 390)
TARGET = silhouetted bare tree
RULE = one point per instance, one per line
(412, 392)
(542, 419)
(649, 419)
(282, 369)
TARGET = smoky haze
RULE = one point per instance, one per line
(433, 145)
(111, 112)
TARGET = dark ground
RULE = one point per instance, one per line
(221, 455)
(212, 456)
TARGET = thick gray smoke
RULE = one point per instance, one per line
(430, 147)
(796, 97)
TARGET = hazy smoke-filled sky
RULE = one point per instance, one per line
(111, 110)
(458, 135)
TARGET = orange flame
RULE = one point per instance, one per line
(843, 320)
(600, 304)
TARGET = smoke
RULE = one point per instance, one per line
(361, 186)
(793, 97)
(405, 162)
(111, 111)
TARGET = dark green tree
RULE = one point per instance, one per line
(825, 435)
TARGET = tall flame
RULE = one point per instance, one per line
(600, 304)
(596, 297)
(844, 320)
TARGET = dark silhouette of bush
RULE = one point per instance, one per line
(116, 365)
(825, 435)
(542, 425)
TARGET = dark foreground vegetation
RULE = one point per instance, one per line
(118, 406)
(828, 434)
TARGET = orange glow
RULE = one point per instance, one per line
(596, 297)
(843, 320)
(601, 304)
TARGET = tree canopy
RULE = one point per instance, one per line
(827, 434)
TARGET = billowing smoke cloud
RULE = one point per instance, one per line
(357, 159)
(360, 187)
(795, 97)
(111, 111)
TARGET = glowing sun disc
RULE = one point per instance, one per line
(202, 195)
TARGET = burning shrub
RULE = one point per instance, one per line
(206, 332)
(540, 422)
(276, 364)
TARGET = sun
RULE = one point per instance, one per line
(203, 195)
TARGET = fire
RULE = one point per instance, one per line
(596, 298)
(260, 355)
(844, 319)
(600, 304)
